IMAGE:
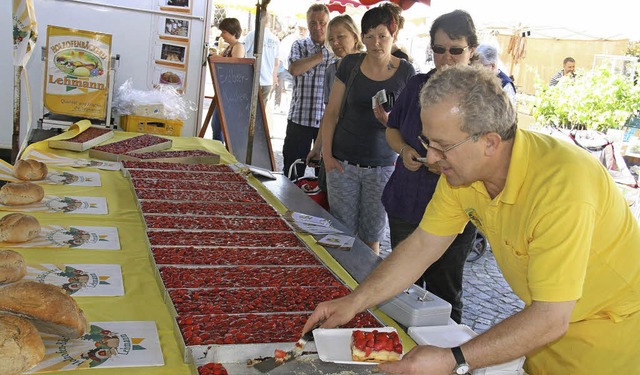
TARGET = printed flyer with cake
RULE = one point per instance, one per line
(107, 344)
(80, 280)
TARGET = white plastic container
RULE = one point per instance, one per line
(455, 335)
(416, 307)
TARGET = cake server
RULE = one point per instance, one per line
(273, 362)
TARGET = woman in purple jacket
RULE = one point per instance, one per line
(409, 190)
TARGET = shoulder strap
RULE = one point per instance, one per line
(352, 76)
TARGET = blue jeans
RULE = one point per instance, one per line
(216, 127)
(297, 144)
(444, 277)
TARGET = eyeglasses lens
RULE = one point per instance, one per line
(453, 50)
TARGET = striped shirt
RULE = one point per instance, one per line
(307, 102)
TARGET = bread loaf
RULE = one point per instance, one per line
(48, 306)
(21, 347)
(30, 170)
(20, 193)
(12, 266)
(18, 227)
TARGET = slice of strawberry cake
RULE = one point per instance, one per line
(375, 346)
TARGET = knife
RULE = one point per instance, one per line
(271, 363)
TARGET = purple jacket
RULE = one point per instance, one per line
(407, 193)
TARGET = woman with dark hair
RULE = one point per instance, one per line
(356, 156)
(409, 190)
(230, 31)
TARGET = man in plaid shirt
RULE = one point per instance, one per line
(308, 60)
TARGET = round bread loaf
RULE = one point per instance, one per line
(48, 307)
(30, 170)
(12, 266)
(20, 193)
(17, 227)
(21, 347)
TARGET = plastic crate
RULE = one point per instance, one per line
(152, 125)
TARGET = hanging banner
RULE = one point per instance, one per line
(76, 81)
(25, 31)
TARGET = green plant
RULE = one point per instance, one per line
(597, 99)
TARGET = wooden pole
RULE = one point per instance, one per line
(261, 12)
(15, 139)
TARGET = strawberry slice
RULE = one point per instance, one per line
(279, 354)
(367, 351)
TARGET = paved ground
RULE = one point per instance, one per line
(487, 298)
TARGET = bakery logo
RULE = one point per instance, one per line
(78, 65)
(66, 178)
(71, 279)
(475, 219)
(97, 347)
(74, 237)
(68, 204)
(90, 163)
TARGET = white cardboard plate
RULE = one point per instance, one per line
(334, 345)
(442, 336)
(455, 335)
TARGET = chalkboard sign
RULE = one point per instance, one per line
(233, 82)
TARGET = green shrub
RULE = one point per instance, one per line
(597, 99)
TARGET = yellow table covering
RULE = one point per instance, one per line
(144, 297)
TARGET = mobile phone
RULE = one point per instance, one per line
(314, 161)
(421, 160)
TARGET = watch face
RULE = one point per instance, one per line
(462, 369)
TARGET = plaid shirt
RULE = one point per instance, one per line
(307, 102)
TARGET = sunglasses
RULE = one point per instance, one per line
(440, 50)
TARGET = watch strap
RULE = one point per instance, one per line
(457, 354)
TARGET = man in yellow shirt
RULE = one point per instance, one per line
(559, 228)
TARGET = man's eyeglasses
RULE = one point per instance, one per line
(440, 50)
(440, 153)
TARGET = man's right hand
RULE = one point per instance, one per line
(330, 314)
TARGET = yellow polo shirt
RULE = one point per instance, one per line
(560, 230)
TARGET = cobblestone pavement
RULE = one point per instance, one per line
(487, 297)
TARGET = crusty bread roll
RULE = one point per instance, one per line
(21, 347)
(30, 170)
(48, 306)
(20, 193)
(12, 266)
(17, 227)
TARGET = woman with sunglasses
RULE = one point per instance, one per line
(409, 190)
(357, 158)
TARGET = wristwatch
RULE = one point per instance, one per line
(462, 367)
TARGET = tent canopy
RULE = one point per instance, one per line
(340, 5)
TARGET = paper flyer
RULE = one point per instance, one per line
(73, 237)
(106, 345)
(313, 229)
(304, 218)
(66, 204)
(54, 177)
(338, 241)
(80, 280)
(62, 161)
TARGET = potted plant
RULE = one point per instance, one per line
(598, 100)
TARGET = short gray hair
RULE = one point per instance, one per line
(484, 106)
(487, 54)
